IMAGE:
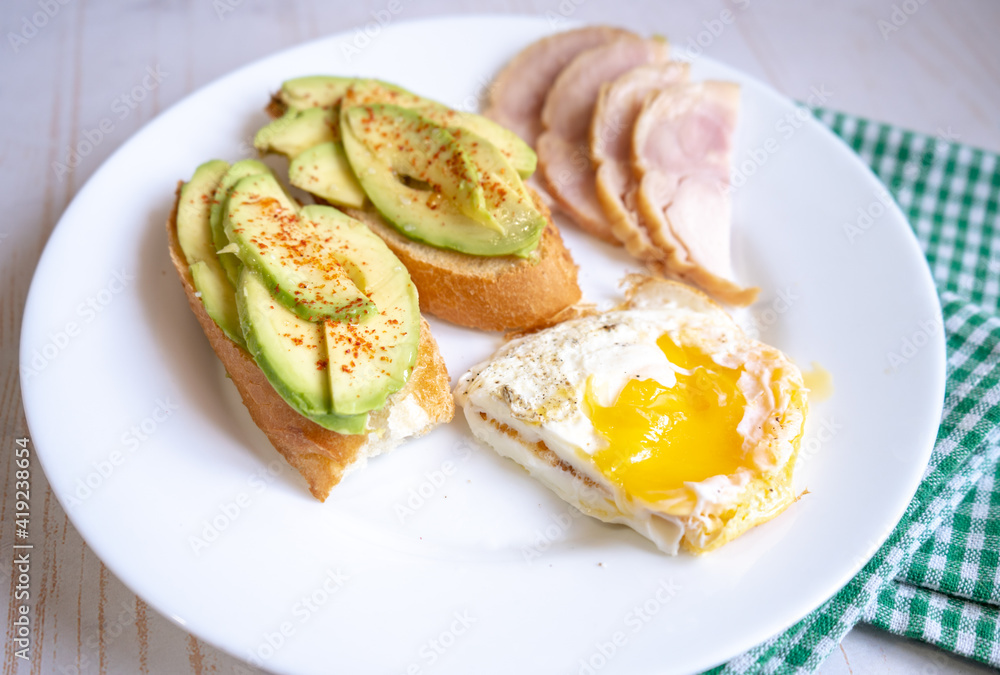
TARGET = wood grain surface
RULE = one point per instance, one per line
(67, 68)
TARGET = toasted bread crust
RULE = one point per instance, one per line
(320, 455)
(490, 293)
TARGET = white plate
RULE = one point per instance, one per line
(129, 398)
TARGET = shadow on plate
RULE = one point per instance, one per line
(186, 351)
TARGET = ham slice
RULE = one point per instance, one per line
(611, 149)
(518, 93)
(564, 159)
(681, 151)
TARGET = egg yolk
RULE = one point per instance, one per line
(659, 437)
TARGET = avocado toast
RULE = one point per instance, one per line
(314, 318)
(443, 188)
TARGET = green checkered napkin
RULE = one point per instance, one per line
(937, 577)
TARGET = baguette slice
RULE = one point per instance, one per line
(324, 457)
(500, 293)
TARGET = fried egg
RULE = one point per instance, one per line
(660, 414)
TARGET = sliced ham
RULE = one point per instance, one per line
(518, 93)
(611, 149)
(564, 159)
(681, 150)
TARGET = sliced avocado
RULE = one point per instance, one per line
(324, 171)
(316, 91)
(519, 153)
(372, 358)
(291, 353)
(297, 131)
(299, 266)
(507, 196)
(194, 208)
(365, 91)
(194, 233)
(238, 171)
(423, 214)
(421, 153)
(326, 92)
(219, 298)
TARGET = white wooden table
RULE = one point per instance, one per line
(67, 70)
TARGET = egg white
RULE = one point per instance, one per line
(527, 403)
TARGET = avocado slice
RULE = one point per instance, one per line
(314, 91)
(372, 358)
(419, 208)
(327, 92)
(238, 171)
(298, 264)
(324, 171)
(291, 353)
(507, 195)
(517, 152)
(422, 153)
(194, 233)
(194, 207)
(298, 130)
